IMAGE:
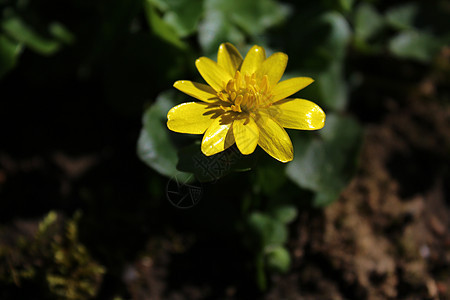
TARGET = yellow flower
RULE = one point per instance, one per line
(245, 104)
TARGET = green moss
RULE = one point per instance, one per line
(50, 258)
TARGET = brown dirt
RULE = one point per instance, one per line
(388, 236)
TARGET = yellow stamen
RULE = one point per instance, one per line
(246, 93)
(238, 100)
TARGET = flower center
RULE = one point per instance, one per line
(246, 93)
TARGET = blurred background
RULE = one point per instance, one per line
(99, 200)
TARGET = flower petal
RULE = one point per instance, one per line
(273, 138)
(246, 134)
(229, 58)
(197, 90)
(290, 86)
(298, 114)
(253, 60)
(216, 76)
(273, 67)
(191, 117)
(218, 137)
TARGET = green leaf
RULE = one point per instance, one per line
(326, 165)
(61, 33)
(338, 37)
(415, 45)
(183, 15)
(285, 213)
(269, 177)
(155, 147)
(215, 28)
(368, 22)
(270, 231)
(257, 16)
(231, 20)
(332, 87)
(346, 5)
(326, 34)
(261, 278)
(341, 130)
(330, 82)
(22, 33)
(402, 17)
(160, 4)
(278, 259)
(326, 197)
(9, 53)
(160, 28)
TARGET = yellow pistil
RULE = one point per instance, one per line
(245, 93)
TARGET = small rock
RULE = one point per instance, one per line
(436, 225)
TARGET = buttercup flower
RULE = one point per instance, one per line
(244, 103)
